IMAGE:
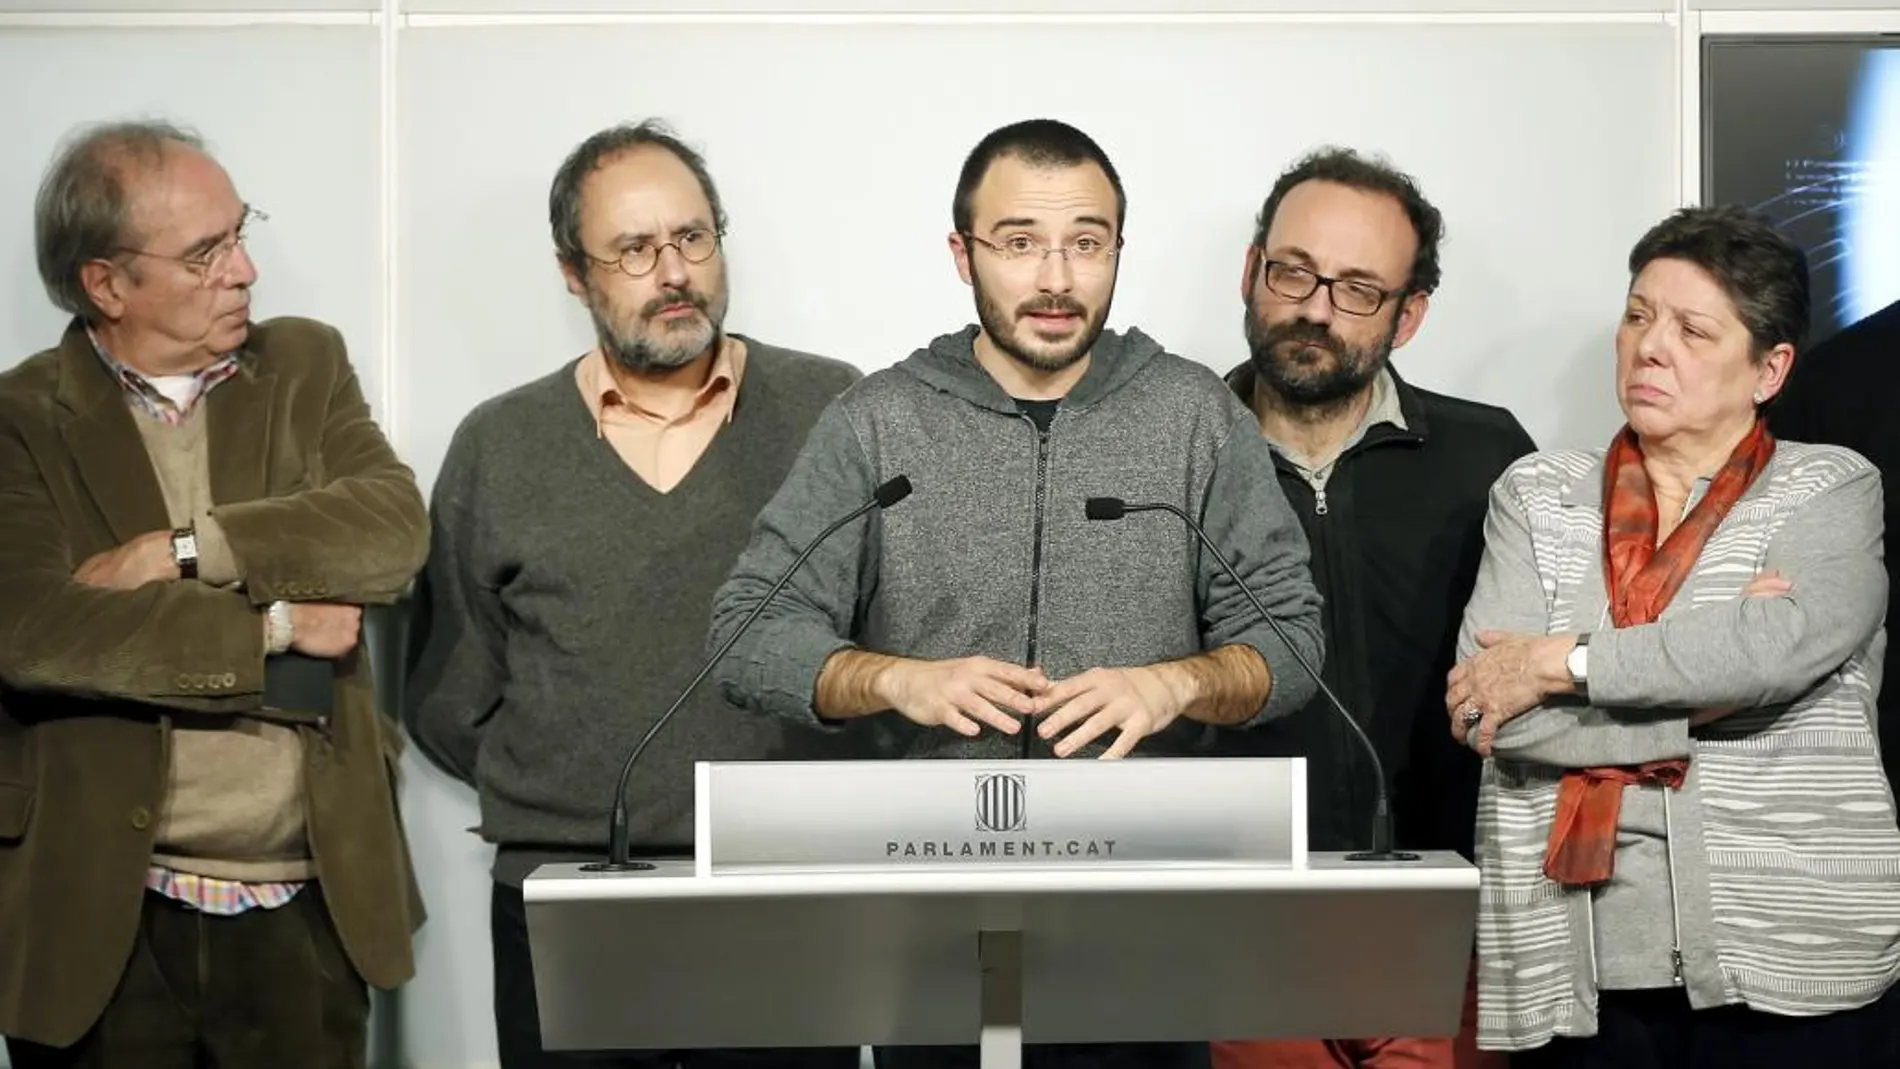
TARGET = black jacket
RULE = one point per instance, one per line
(1394, 555)
(1846, 392)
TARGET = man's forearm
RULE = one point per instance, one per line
(848, 684)
(1223, 686)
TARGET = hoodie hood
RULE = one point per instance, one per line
(949, 364)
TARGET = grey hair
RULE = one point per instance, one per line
(564, 194)
(84, 207)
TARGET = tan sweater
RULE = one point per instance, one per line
(234, 806)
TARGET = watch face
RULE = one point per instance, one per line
(185, 545)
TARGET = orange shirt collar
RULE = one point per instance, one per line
(603, 392)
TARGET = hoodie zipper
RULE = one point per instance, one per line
(1035, 561)
(1344, 752)
(1318, 480)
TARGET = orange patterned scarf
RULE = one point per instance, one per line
(1642, 577)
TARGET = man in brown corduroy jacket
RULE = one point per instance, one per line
(201, 860)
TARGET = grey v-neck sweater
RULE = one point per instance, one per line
(566, 604)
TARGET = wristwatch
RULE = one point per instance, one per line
(1578, 662)
(185, 552)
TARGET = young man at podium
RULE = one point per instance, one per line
(986, 615)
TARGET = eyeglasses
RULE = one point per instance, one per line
(1352, 296)
(695, 247)
(214, 261)
(1085, 251)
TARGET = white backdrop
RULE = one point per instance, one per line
(404, 155)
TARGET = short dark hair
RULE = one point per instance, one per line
(564, 196)
(1039, 143)
(1346, 167)
(83, 210)
(1763, 273)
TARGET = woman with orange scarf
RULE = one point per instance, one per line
(1669, 661)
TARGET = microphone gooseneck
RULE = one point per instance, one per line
(1114, 508)
(619, 848)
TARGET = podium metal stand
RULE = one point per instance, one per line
(829, 924)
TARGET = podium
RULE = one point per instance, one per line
(997, 904)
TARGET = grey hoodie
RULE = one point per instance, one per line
(992, 553)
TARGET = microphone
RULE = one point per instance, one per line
(619, 851)
(1114, 508)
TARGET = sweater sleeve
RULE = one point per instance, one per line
(774, 662)
(1760, 651)
(1747, 652)
(1509, 595)
(1246, 515)
(457, 637)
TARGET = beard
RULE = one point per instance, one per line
(653, 345)
(1003, 327)
(1283, 359)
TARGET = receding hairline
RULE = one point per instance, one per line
(628, 152)
(1391, 199)
(128, 158)
(1042, 161)
(139, 171)
(1388, 197)
(1045, 164)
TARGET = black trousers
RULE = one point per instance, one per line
(1657, 1030)
(518, 1018)
(264, 989)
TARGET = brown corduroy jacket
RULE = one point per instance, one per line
(316, 507)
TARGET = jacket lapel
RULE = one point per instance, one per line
(238, 416)
(105, 443)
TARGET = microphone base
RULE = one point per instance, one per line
(1383, 856)
(618, 866)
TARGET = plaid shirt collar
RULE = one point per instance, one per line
(148, 397)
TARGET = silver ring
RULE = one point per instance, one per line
(1471, 714)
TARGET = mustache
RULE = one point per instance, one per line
(1304, 332)
(672, 297)
(1050, 302)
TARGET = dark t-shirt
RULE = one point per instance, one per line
(1042, 412)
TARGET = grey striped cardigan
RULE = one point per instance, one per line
(1782, 843)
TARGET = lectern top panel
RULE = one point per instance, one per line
(1328, 873)
(805, 816)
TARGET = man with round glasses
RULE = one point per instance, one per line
(1391, 483)
(582, 522)
(200, 856)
